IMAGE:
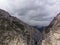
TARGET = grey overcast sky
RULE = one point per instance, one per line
(33, 12)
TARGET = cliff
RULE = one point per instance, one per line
(15, 32)
(52, 32)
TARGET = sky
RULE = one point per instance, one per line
(32, 12)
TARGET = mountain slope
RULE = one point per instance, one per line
(15, 32)
(52, 32)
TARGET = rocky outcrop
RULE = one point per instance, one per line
(52, 32)
(15, 32)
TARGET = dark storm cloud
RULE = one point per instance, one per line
(33, 12)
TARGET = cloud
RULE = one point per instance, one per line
(33, 12)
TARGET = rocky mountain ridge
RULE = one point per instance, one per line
(15, 32)
(51, 35)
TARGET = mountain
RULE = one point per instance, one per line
(40, 28)
(51, 34)
(13, 31)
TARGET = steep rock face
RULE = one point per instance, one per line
(52, 32)
(15, 32)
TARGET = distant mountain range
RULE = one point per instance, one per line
(41, 28)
